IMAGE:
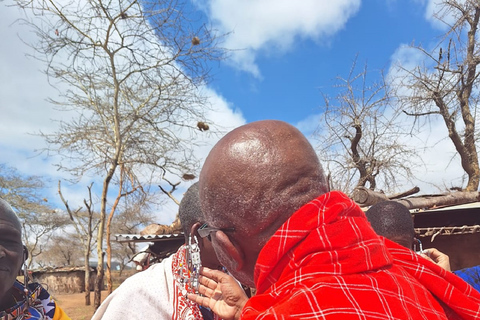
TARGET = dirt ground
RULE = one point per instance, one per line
(74, 305)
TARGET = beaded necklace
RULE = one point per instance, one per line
(30, 308)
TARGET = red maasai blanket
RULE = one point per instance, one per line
(326, 262)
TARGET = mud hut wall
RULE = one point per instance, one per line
(63, 282)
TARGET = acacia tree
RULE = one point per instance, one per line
(130, 73)
(362, 139)
(38, 219)
(446, 85)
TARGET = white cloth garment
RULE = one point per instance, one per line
(150, 294)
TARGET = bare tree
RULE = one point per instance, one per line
(85, 221)
(126, 188)
(61, 250)
(361, 139)
(446, 85)
(39, 220)
(131, 73)
(38, 227)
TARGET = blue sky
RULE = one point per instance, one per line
(291, 53)
(291, 81)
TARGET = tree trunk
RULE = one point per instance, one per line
(101, 228)
(450, 199)
(404, 194)
(473, 175)
(108, 270)
(365, 197)
(97, 299)
(87, 283)
(109, 233)
(471, 155)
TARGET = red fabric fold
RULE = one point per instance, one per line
(326, 262)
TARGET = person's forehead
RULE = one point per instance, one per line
(9, 231)
(8, 224)
(8, 217)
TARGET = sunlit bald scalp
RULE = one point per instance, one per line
(257, 176)
(7, 213)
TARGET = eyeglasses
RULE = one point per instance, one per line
(204, 231)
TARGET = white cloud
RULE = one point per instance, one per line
(430, 11)
(23, 93)
(311, 128)
(438, 17)
(272, 25)
(225, 118)
(310, 124)
(442, 165)
(406, 56)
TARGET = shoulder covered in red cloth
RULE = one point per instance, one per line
(327, 262)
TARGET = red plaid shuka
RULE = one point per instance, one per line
(326, 262)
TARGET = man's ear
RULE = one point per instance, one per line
(232, 249)
(194, 232)
(194, 229)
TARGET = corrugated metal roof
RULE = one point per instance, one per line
(471, 205)
(147, 238)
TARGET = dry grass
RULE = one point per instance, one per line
(74, 305)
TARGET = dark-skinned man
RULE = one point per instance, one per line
(309, 252)
(20, 300)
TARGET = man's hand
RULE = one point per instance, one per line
(221, 293)
(438, 257)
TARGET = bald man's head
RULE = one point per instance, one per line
(256, 177)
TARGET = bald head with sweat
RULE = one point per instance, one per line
(253, 180)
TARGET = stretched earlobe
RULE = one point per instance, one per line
(194, 230)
